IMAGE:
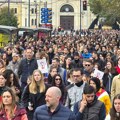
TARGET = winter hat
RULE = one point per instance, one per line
(97, 82)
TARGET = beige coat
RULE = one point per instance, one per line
(115, 88)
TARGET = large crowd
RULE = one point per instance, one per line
(82, 81)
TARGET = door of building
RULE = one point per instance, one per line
(67, 22)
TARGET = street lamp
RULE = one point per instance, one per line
(80, 18)
(36, 11)
(29, 13)
(8, 8)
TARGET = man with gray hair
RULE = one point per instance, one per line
(53, 109)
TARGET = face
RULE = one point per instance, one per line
(50, 50)
(37, 56)
(37, 76)
(77, 77)
(50, 98)
(1, 65)
(117, 105)
(57, 80)
(85, 50)
(94, 55)
(76, 57)
(108, 65)
(9, 51)
(53, 72)
(101, 57)
(68, 60)
(93, 84)
(55, 63)
(65, 51)
(29, 54)
(119, 62)
(118, 52)
(15, 58)
(11, 77)
(90, 97)
(2, 81)
(88, 66)
(7, 98)
(97, 47)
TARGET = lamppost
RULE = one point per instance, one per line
(29, 13)
(36, 11)
(80, 18)
(8, 8)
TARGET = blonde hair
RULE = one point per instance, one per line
(33, 84)
(13, 104)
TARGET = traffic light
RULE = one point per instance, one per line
(46, 15)
(84, 5)
(49, 15)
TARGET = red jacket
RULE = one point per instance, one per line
(20, 114)
(117, 69)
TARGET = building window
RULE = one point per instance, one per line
(35, 22)
(32, 10)
(32, 22)
(67, 8)
(15, 10)
(25, 22)
(35, 10)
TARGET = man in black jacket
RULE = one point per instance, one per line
(89, 108)
(26, 67)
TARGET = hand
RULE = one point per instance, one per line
(83, 104)
(30, 108)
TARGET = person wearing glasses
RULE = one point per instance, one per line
(58, 82)
(88, 67)
(75, 90)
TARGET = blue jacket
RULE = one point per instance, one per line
(86, 55)
(61, 113)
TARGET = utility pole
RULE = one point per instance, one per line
(80, 18)
(29, 13)
(8, 8)
(36, 11)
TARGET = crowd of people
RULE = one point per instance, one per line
(81, 83)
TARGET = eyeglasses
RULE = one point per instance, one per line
(76, 75)
(87, 64)
(58, 79)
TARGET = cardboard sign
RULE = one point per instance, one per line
(99, 74)
(42, 65)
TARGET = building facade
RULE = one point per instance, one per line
(65, 13)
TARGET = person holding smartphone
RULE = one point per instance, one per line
(89, 108)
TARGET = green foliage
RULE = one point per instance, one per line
(8, 19)
(109, 9)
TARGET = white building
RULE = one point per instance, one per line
(65, 13)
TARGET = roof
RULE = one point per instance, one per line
(8, 29)
(29, 29)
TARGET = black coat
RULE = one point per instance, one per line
(36, 100)
(26, 68)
